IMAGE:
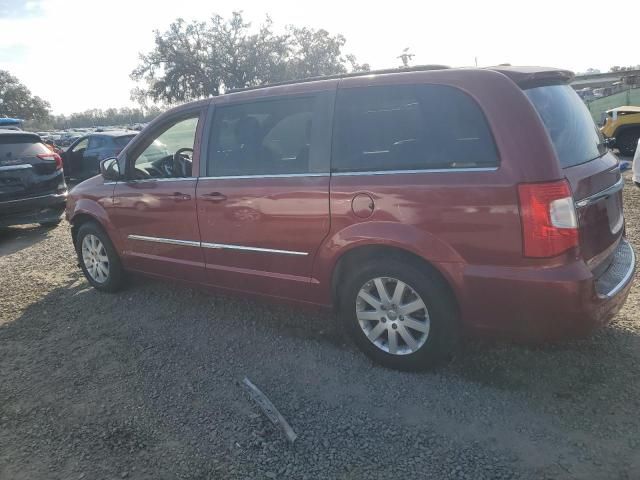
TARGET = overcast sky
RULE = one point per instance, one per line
(78, 54)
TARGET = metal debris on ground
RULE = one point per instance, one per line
(270, 410)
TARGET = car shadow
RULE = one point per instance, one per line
(124, 373)
(14, 239)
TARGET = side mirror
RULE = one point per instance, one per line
(109, 169)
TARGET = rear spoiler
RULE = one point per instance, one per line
(529, 77)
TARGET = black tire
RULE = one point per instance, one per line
(443, 335)
(627, 141)
(115, 277)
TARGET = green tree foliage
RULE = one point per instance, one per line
(201, 59)
(17, 101)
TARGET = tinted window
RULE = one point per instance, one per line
(97, 142)
(574, 134)
(262, 138)
(15, 147)
(122, 141)
(158, 159)
(410, 127)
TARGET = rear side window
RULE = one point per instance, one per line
(410, 127)
(18, 146)
(574, 134)
(262, 138)
(123, 141)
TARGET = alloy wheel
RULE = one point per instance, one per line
(392, 315)
(95, 258)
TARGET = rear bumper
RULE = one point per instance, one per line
(43, 208)
(546, 304)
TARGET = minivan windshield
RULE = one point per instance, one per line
(573, 132)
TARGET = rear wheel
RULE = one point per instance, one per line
(98, 258)
(401, 316)
(627, 141)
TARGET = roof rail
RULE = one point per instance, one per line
(417, 68)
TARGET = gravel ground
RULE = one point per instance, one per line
(145, 384)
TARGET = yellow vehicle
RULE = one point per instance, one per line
(623, 124)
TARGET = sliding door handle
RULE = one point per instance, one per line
(214, 197)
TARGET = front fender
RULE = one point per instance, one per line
(91, 208)
(96, 208)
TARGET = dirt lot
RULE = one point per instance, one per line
(144, 384)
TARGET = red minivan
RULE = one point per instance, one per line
(423, 205)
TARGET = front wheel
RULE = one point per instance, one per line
(401, 316)
(98, 258)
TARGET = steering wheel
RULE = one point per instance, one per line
(180, 162)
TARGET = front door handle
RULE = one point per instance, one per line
(214, 197)
(180, 197)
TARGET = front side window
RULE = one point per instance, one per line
(170, 153)
(81, 145)
(410, 127)
(262, 138)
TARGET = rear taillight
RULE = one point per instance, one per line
(549, 223)
(52, 156)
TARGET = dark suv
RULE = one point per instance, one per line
(82, 158)
(32, 187)
(422, 205)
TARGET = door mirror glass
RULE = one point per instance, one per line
(109, 169)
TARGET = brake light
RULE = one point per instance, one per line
(52, 156)
(549, 222)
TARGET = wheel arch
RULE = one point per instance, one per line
(89, 211)
(361, 253)
(79, 220)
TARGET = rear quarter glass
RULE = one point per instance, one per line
(575, 137)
